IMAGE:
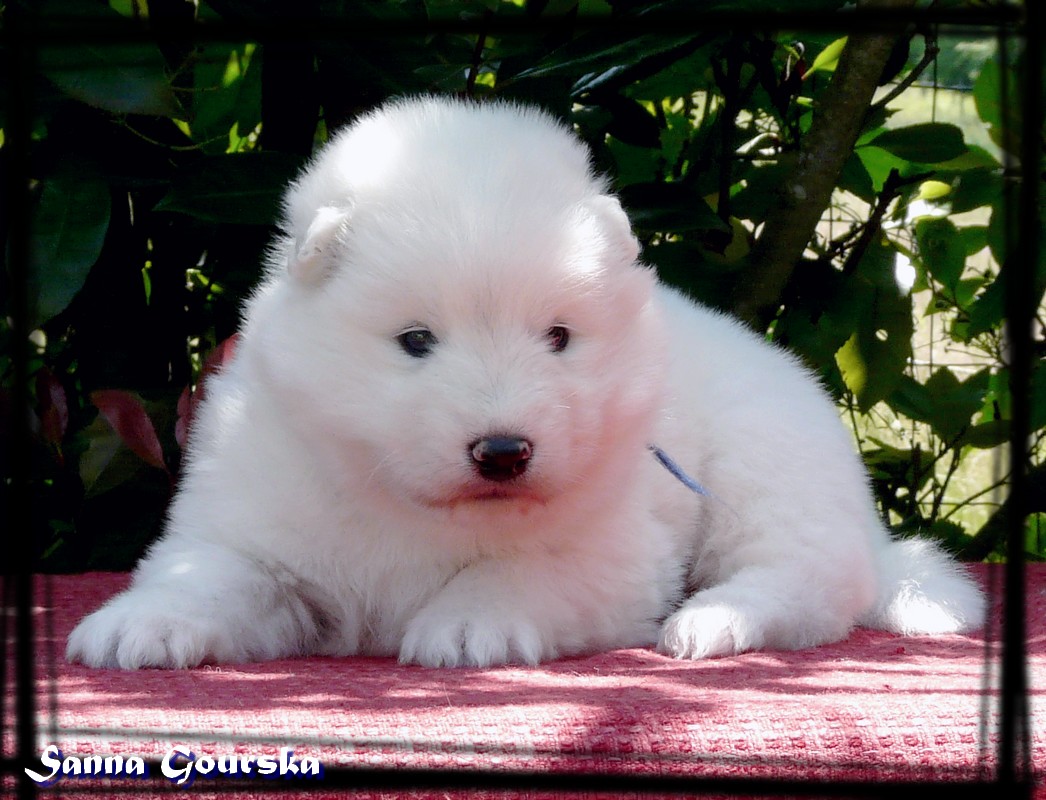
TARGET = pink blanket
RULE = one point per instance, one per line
(874, 707)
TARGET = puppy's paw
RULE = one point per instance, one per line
(475, 638)
(133, 631)
(703, 631)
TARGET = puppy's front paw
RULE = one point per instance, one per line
(476, 638)
(134, 631)
(703, 631)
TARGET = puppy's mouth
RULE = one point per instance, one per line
(499, 496)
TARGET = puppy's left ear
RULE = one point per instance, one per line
(630, 283)
(616, 228)
(311, 256)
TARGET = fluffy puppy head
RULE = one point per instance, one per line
(456, 310)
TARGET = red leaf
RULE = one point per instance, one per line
(220, 356)
(53, 407)
(185, 409)
(127, 416)
(190, 399)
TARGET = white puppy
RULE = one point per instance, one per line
(434, 440)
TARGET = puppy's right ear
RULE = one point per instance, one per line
(311, 257)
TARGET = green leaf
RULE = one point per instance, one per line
(682, 263)
(941, 250)
(951, 535)
(124, 78)
(946, 405)
(1003, 123)
(445, 77)
(601, 50)
(228, 93)
(878, 163)
(1002, 233)
(926, 143)
(987, 434)
(912, 399)
(556, 8)
(828, 59)
(873, 359)
(975, 157)
(933, 190)
(69, 228)
(988, 310)
(871, 363)
(955, 402)
(976, 188)
(897, 465)
(677, 79)
(815, 340)
(974, 238)
(672, 207)
(762, 185)
(887, 462)
(632, 164)
(594, 8)
(856, 177)
(856, 369)
(241, 188)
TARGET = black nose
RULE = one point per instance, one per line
(501, 458)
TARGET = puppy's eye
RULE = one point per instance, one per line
(417, 342)
(558, 337)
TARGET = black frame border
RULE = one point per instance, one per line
(24, 32)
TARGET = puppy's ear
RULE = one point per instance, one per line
(631, 283)
(616, 228)
(311, 256)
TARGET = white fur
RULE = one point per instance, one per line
(329, 503)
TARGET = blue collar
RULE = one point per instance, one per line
(678, 471)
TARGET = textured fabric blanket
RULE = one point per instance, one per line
(874, 707)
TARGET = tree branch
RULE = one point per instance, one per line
(823, 152)
(477, 56)
(929, 56)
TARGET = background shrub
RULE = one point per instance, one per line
(846, 196)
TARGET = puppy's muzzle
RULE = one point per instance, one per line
(501, 458)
